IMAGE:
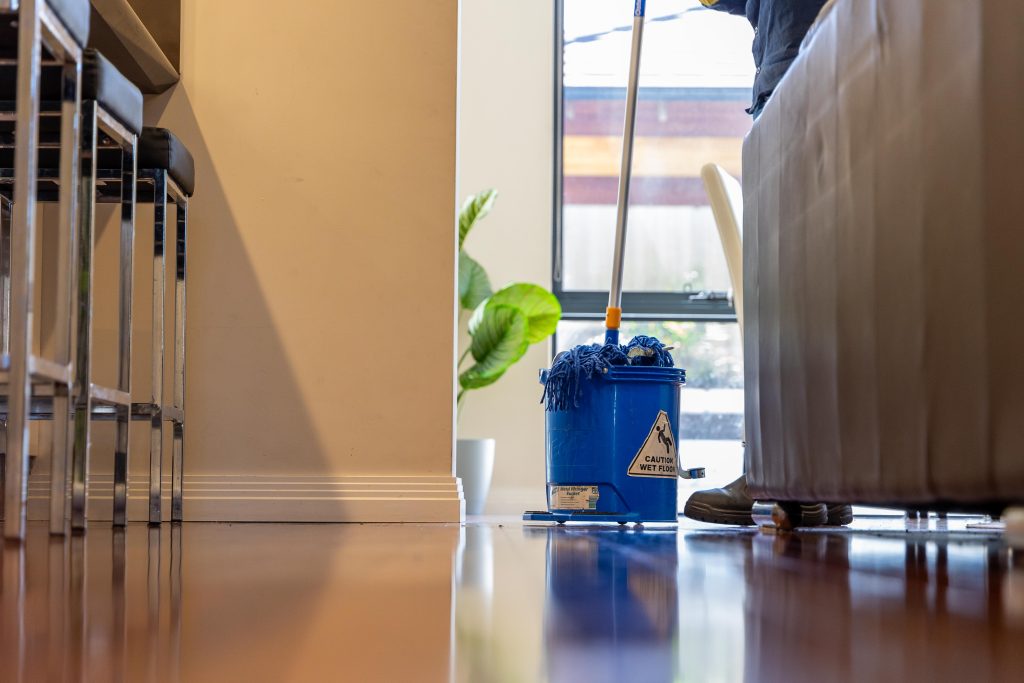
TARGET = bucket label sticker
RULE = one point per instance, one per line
(574, 497)
(657, 457)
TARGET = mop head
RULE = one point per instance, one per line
(562, 384)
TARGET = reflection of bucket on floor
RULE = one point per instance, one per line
(614, 456)
(611, 606)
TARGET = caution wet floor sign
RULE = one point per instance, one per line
(657, 457)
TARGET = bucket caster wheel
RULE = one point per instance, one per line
(623, 523)
(770, 516)
(560, 522)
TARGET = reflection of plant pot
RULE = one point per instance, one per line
(474, 463)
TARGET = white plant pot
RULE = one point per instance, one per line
(474, 464)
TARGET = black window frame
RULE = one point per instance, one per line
(590, 305)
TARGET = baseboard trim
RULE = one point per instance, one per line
(273, 498)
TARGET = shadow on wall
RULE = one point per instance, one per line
(239, 379)
(306, 240)
(246, 412)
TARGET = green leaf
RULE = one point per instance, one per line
(540, 306)
(477, 318)
(475, 208)
(471, 379)
(474, 285)
(499, 340)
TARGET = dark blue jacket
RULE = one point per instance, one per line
(779, 27)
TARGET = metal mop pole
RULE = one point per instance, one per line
(613, 315)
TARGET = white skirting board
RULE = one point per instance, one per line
(269, 498)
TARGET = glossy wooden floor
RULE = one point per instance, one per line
(500, 601)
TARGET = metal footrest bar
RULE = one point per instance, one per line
(145, 411)
(109, 396)
(41, 409)
(41, 370)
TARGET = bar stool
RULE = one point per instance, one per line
(111, 119)
(111, 105)
(170, 165)
(61, 27)
(166, 174)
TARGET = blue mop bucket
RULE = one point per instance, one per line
(614, 457)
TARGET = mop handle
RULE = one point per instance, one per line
(613, 315)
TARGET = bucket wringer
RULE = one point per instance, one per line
(612, 410)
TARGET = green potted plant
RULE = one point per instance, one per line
(501, 325)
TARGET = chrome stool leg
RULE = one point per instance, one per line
(86, 248)
(178, 454)
(6, 213)
(124, 352)
(22, 266)
(66, 260)
(156, 420)
(3, 465)
(5, 314)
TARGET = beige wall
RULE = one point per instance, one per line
(506, 128)
(321, 274)
(321, 309)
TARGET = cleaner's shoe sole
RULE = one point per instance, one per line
(710, 514)
(811, 514)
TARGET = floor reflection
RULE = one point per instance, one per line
(65, 607)
(611, 607)
(860, 607)
(496, 602)
(229, 602)
(731, 605)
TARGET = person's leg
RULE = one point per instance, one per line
(732, 503)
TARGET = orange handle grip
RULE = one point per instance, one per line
(612, 318)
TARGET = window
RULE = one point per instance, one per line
(696, 77)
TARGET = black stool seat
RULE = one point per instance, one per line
(101, 81)
(160, 148)
(75, 15)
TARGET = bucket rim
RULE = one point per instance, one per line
(621, 373)
(632, 373)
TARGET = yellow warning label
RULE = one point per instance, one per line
(657, 457)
